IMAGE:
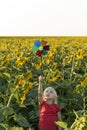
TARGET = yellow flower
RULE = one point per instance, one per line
(50, 54)
(21, 60)
(55, 65)
(30, 84)
(55, 77)
(49, 60)
(16, 86)
(6, 60)
(25, 92)
(75, 44)
(23, 98)
(54, 50)
(80, 54)
(29, 75)
(84, 82)
(15, 51)
(70, 58)
(38, 65)
(21, 82)
(21, 54)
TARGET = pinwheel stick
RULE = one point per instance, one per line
(41, 65)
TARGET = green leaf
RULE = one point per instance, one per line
(8, 111)
(1, 116)
(16, 128)
(62, 124)
(16, 68)
(2, 68)
(21, 121)
(2, 128)
(7, 74)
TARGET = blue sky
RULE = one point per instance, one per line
(43, 17)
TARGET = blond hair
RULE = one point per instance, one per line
(54, 92)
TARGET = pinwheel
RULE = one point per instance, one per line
(40, 48)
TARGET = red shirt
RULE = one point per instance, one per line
(48, 116)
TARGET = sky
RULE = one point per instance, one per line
(43, 17)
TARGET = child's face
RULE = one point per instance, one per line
(49, 94)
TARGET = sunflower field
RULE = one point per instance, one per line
(64, 67)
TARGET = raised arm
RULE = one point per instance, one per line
(40, 90)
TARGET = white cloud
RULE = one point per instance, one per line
(43, 17)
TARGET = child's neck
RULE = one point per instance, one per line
(50, 101)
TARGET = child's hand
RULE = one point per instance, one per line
(40, 78)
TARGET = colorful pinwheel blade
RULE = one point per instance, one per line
(38, 53)
(41, 48)
(44, 52)
(46, 47)
(43, 43)
(35, 48)
(37, 43)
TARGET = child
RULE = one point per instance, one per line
(49, 110)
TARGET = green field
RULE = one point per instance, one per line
(64, 67)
